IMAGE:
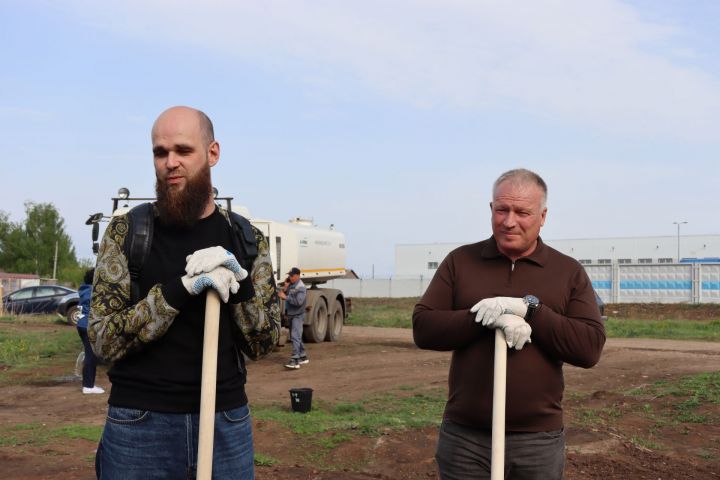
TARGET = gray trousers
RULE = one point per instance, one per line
(464, 453)
(296, 331)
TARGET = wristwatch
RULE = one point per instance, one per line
(533, 304)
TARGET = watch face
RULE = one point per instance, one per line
(532, 301)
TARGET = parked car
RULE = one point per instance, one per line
(44, 299)
(601, 307)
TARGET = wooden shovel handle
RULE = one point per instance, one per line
(208, 385)
(497, 467)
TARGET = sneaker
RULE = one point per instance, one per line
(91, 390)
(304, 360)
(293, 364)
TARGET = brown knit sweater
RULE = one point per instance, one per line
(566, 328)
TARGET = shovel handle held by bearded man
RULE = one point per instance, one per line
(497, 465)
(208, 386)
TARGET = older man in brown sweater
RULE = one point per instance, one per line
(544, 302)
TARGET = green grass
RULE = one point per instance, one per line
(667, 329)
(674, 405)
(692, 393)
(265, 460)
(33, 319)
(28, 351)
(328, 426)
(596, 417)
(645, 443)
(382, 312)
(397, 312)
(38, 434)
(370, 416)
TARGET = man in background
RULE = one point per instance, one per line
(89, 368)
(295, 295)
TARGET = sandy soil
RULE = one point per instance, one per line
(369, 360)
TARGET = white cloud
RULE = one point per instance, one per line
(593, 62)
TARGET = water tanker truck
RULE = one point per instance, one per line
(320, 255)
(318, 252)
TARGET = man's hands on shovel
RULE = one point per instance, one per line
(516, 329)
(215, 268)
(507, 314)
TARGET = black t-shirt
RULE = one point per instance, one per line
(165, 375)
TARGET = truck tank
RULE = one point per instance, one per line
(319, 253)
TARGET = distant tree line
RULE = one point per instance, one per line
(29, 246)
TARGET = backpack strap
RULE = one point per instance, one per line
(244, 239)
(246, 251)
(141, 219)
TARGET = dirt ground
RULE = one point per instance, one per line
(370, 360)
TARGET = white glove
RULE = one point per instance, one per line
(490, 309)
(208, 259)
(221, 279)
(517, 331)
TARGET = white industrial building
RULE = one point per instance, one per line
(421, 260)
(626, 269)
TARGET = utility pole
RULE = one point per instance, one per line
(678, 237)
(55, 262)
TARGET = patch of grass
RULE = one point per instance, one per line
(575, 395)
(371, 416)
(38, 434)
(29, 351)
(382, 312)
(265, 460)
(667, 329)
(33, 320)
(693, 392)
(588, 417)
(86, 432)
(595, 417)
(333, 441)
(700, 388)
(705, 455)
(327, 425)
(645, 443)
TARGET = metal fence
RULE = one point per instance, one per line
(616, 283)
(381, 287)
(668, 283)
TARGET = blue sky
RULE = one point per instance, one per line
(389, 119)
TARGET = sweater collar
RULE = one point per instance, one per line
(539, 256)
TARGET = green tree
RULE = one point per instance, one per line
(29, 246)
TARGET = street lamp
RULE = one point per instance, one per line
(678, 241)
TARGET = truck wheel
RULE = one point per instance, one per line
(335, 323)
(73, 314)
(316, 331)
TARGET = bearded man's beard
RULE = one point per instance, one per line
(183, 207)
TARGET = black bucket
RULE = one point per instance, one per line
(301, 399)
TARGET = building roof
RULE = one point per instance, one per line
(21, 276)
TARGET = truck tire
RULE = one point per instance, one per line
(316, 330)
(335, 322)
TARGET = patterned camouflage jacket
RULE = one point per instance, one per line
(118, 327)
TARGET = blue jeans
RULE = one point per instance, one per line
(140, 444)
(296, 331)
